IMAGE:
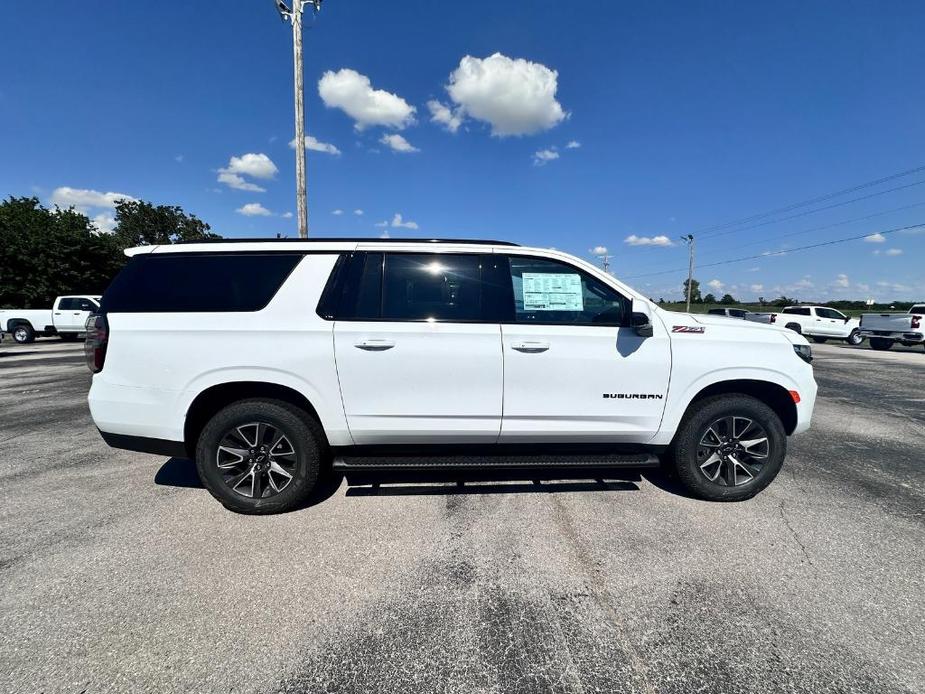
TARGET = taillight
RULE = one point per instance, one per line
(916, 322)
(773, 317)
(97, 339)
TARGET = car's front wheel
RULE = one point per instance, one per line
(728, 448)
(260, 456)
(855, 338)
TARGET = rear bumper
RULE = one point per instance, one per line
(894, 335)
(144, 444)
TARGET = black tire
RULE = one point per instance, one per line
(820, 340)
(795, 327)
(687, 455)
(880, 343)
(855, 338)
(23, 334)
(308, 444)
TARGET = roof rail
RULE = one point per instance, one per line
(362, 239)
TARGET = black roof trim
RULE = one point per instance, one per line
(359, 239)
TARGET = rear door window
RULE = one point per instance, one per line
(443, 287)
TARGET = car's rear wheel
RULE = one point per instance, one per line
(880, 343)
(820, 340)
(728, 448)
(855, 338)
(260, 456)
(23, 334)
(795, 327)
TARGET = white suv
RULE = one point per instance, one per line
(269, 361)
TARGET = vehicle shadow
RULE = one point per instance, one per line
(455, 482)
(181, 472)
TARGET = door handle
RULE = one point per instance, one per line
(57, 313)
(374, 345)
(530, 347)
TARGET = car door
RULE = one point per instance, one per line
(833, 321)
(71, 314)
(416, 359)
(574, 371)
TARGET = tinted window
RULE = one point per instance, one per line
(737, 313)
(362, 288)
(717, 311)
(87, 305)
(547, 291)
(430, 286)
(918, 308)
(179, 283)
(69, 305)
(797, 311)
(829, 313)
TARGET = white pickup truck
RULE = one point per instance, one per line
(821, 323)
(883, 329)
(67, 319)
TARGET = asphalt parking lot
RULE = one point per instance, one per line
(120, 573)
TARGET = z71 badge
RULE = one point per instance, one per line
(688, 329)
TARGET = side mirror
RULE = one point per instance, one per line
(641, 324)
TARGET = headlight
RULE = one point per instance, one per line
(804, 352)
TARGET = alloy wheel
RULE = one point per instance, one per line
(20, 334)
(256, 460)
(732, 451)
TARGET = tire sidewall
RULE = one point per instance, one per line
(855, 338)
(23, 334)
(288, 420)
(703, 414)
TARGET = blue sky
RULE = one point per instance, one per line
(687, 115)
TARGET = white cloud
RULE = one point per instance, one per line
(316, 145)
(753, 269)
(804, 283)
(358, 212)
(398, 143)
(842, 281)
(756, 287)
(515, 97)
(286, 215)
(253, 209)
(440, 113)
(353, 94)
(384, 223)
(398, 222)
(104, 223)
(575, 144)
(544, 156)
(337, 213)
(599, 251)
(875, 238)
(384, 234)
(660, 240)
(253, 165)
(83, 198)
(715, 285)
(893, 251)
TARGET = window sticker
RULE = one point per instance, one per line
(552, 292)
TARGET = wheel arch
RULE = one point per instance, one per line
(212, 399)
(771, 394)
(14, 322)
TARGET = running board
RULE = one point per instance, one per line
(494, 462)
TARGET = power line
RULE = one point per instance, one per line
(784, 252)
(818, 209)
(811, 201)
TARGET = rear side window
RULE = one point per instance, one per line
(736, 313)
(430, 286)
(717, 312)
(181, 283)
(797, 311)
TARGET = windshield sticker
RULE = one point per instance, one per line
(552, 292)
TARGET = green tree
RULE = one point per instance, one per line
(695, 291)
(708, 299)
(728, 299)
(141, 223)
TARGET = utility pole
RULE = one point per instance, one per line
(294, 16)
(689, 240)
(605, 262)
